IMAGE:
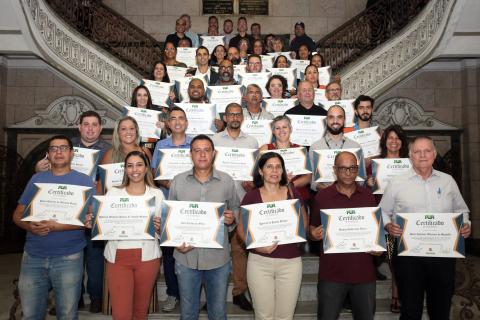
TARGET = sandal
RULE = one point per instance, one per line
(395, 305)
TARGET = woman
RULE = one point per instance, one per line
(281, 62)
(160, 72)
(282, 130)
(244, 49)
(393, 144)
(274, 273)
(311, 75)
(303, 52)
(317, 60)
(171, 56)
(133, 265)
(277, 44)
(218, 55)
(277, 87)
(258, 47)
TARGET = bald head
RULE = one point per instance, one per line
(305, 93)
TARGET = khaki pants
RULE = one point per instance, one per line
(274, 286)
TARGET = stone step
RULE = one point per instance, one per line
(308, 290)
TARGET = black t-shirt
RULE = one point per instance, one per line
(301, 110)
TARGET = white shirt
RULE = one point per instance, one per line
(150, 248)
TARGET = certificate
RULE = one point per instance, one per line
(160, 91)
(175, 73)
(278, 107)
(352, 230)
(383, 170)
(237, 70)
(222, 96)
(296, 160)
(287, 54)
(197, 224)
(324, 75)
(431, 235)
(63, 203)
(111, 175)
(300, 65)
(182, 86)
(239, 163)
(324, 159)
(319, 98)
(201, 117)
(147, 121)
(347, 105)
(210, 42)
(259, 129)
(273, 222)
(306, 129)
(123, 218)
(187, 55)
(368, 138)
(259, 78)
(85, 160)
(267, 61)
(290, 74)
(172, 162)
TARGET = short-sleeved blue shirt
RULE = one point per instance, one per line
(60, 243)
(167, 143)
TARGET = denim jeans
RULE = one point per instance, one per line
(169, 271)
(38, 275)
(94, 261)
(216, 283)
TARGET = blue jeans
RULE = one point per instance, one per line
(94, 261)
(38, 275)
(216, 284)
(169, 271)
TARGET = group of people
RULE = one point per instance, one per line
(54, 253)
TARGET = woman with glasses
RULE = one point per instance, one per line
(170, 56)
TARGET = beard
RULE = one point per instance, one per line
(226, 77)
(365, 116)
(335, 132)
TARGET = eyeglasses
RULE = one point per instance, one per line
(238, 115)
(62, 148)
(336, 90)
(225, 67)
(352, 169)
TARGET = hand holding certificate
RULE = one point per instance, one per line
(431, 235)
(63, 203)
(172, 162)
(383, 170)
(85, 160)
(296, 160)
(352, 230)
(273, 222)
(368, 138)
(123, 217)
(147, 121)
(239, 163)
(324, 159)
(196, 224)
(111, 175)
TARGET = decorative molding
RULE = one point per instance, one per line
(69, 52)
(402, 55)
(63, 113)
(408, 114)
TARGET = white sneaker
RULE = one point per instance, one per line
(170, 304)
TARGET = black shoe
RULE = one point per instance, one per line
(96, 306)
(242, 301)
(52, 312)
(380, 276)
(81, 303)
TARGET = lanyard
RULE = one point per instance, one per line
(328, 144)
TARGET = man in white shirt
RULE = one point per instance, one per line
(192, 35)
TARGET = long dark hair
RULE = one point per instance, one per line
(258, 178)
(401, 135)
(282, 80)
(134, 97)
(213, 58)
(166, 78)
(148, 179)
(275, 63)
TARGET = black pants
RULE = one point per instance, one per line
(419, 275)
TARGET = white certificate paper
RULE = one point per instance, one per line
(259, 78)
(239, 163)
(197, 224)
(176, 73)
(278, 107)
(222, 96)
(210, 42)
(259, 129)
(111, 175)
(319, 96)
(347, 105)
(324, 75)
(160, 91)
(63, 203)
(123, 218)
(273, 222)
(267, 61)
(352, 230)
(324, 159)
(201, 117)
(369, 140)
(146, 120)
(306, 129)
(85, 160)
(290, 74)
(431, 235)
(383, 170)
(187, 56)
(296, 160)
(237, 70)
(300, 65)
(172, 162)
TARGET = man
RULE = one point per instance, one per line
(185, 43)
(180, 26)
(342, 274)
(53, 256)
(363, 107)
(225, 74)
(195, 266)
(178, 124)
(242, 33)
(213, 23)
(269, 42)
(254, 111)
(423, 189)
(196, 94)
(90, 128)
(256, 31)
(333, 91)
(228, 31)
(254, 64)
(333, 139)
(233, 55)
(203, 70)
(188, 33)
(301, 38)
(305, 106)
(232, 136)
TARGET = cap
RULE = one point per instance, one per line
(301, 24)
